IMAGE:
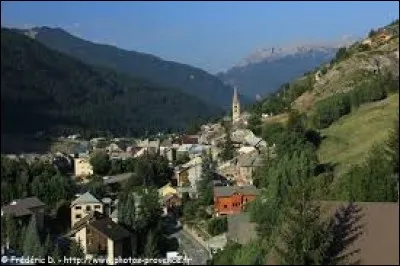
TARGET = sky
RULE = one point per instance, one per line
(211, 35)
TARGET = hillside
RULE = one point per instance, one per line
(188, 79)
(44, 90)
(264, 71)
(351, 101)
(348, 140)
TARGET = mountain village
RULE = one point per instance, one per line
(233, 183)
(223, 188)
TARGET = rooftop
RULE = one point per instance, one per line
(86, 198)
(103, 224)
(226, 191)
(110, 229)
(22, 207)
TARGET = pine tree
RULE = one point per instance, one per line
(48, 246)
(228, 150)
(151, 246)
(205, 185)
(127, 213)
(304, 236)
(56, 253)
(393, 145)
(75, 250)
(31, 244)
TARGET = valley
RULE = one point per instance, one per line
(109, 154)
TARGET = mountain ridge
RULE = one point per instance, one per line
(189, 79)
(268, 71)
(46, 90)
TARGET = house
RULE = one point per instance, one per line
(246, 164)
(255, 141)
(113, 148)
(189, 173)
(101, 237)
(239, 135)
(233, 199)
(247, 150)
(189, 140)
(171, 201)
(83, 205)
(166, 189)
(167, 150)
(150, 146)
(25, 209)
(82, 167)
(198, 150)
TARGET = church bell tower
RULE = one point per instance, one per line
(235, 106)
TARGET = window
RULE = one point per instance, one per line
(78, 216)
(78, 207)
(88, 208)
(97, 206)
(225, 206)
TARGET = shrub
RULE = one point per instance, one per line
(217, 226)
(331, 109)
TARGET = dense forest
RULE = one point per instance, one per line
(44, 90)
(188, 79)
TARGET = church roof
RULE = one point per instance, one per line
(86, 198)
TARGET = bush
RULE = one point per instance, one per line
(364, 47)
(271, 132)
(371, 181)
(217, 226)
(331, 109)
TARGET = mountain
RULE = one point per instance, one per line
(352, 101)
(45, 90)
(263, 71)
(188, 79)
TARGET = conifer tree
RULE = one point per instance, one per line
(31, 244)
(48, 246)
(304, 238)
(56, 253)
(76, 250)
(151, 246)
(228, 151)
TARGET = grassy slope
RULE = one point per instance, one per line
(349, 139)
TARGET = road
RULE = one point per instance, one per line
(191, 247)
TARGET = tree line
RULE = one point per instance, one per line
(334, 107)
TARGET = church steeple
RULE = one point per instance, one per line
(235, 106)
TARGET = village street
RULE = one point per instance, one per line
(193, 250)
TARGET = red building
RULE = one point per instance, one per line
(232, 200)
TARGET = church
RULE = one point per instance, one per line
(235, 107)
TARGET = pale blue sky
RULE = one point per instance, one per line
(209, 35)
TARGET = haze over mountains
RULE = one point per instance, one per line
(263, 71)
(188, 79)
